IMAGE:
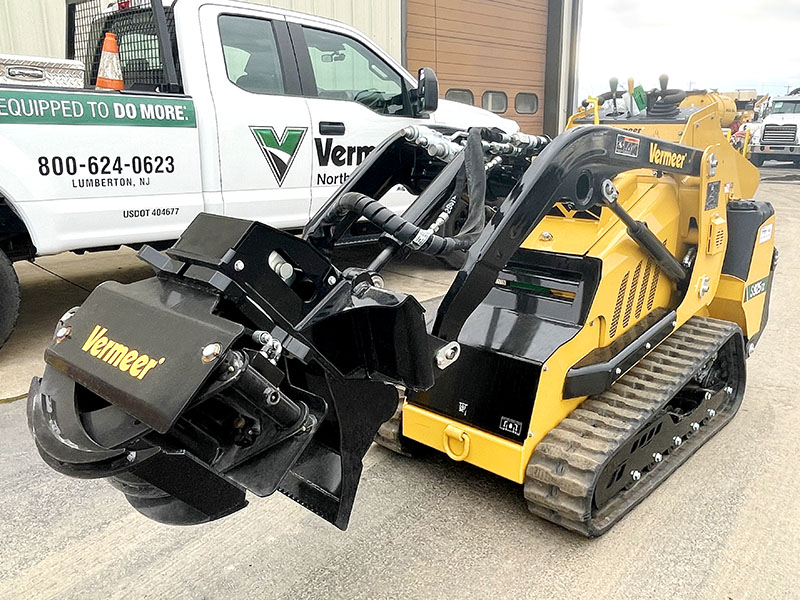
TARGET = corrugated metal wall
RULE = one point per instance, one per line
(483, 46)
(36, 27)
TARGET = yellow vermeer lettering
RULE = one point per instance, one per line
(665, 158)
(96, 334)
(136, 367)
(98, 345)
(128, 360)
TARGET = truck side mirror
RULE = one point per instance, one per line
(427, 92)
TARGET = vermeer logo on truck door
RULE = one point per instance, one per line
(279, 153)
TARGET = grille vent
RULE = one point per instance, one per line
(651, 298)
(643, 289)
(612, 330)
(626, 319)
(779, 134)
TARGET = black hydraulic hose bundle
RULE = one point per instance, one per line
(424, 240)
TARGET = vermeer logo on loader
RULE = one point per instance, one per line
(665, 158)
(130, 361)
(279, 153)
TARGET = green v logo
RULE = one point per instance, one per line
(279, 153)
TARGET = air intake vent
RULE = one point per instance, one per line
(643, 289)
(779, 134)
(631, 295)
(612, 330)
(651, 298)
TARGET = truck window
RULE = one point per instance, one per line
(251, 54)
(782, 107)
(345, 69)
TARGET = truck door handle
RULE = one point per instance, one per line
(331, 128)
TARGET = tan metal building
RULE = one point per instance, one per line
(514, 57)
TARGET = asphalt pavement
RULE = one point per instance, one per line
(725, 526)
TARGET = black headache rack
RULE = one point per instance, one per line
(145, 31)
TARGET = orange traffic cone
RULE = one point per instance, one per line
(109, 73)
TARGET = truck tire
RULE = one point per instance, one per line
(9, 298)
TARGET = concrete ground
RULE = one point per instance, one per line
(725, 526)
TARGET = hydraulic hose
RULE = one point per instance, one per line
(417, 238)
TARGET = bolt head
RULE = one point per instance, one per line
(62, 334)
(332, 280)
(728, 390)
(657, 457)
(211, 352)
(677, 441)
(695, 426)
(636, 475)
(705, 286)
(130, 457)
(546, 236)
(238, 265)
(711, 413)
(708, 396)
(648, 345)
(618, 371)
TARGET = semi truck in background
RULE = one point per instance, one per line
(228, 107)
(777, 138)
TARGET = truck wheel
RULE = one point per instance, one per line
(757, 160)
(9, 298)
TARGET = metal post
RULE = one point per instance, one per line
(165, 48)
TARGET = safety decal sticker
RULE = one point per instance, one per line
(279, 152)
(511, 426)
(627, 146)
(766, 234)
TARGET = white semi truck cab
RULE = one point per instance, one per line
(229, 107)
(777, 138)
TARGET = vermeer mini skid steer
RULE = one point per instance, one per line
(616, 278)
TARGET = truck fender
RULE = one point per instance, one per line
(13, 189)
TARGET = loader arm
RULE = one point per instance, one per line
(573, 168)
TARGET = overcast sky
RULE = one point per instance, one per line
(723, 44)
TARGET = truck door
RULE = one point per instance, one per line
(356, 99)
(263, 121)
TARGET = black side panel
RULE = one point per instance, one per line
(745, 219)
(485, 389)
(139, 346)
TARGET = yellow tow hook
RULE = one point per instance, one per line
(452, 432)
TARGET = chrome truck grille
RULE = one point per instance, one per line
(779, 134)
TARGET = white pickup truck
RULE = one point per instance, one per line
(229, 107)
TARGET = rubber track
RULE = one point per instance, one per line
(566, 465)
